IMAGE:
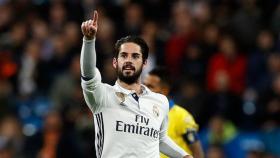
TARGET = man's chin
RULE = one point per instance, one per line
(125, 72)
(129, 74)
(128, 78)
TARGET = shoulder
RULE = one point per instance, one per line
(178, 109)
(160, 99)
(185, 116)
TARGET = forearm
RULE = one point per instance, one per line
(169, 148)
(88, 59)
(197, 150)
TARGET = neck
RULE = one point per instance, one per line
(136, 86)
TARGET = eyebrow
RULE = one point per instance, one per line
(134, 53)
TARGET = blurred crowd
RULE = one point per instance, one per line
(223, 57)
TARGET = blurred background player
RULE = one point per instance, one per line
(182, 127)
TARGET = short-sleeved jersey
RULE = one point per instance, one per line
(181, 124)
(126, 125)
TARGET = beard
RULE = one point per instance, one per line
(129, 78)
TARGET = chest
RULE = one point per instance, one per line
(143, 111)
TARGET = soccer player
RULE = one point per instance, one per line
(130, 120)
(182, 127)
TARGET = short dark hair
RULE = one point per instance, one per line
(134, 39)
(163, 74)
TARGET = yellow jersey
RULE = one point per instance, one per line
(182, 128)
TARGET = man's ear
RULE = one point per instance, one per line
(145, 63)
(115, 62)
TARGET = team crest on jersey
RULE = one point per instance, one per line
(156, 111)
(121, 96)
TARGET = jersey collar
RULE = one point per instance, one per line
(119, 88)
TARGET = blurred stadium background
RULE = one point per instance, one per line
(223, 56)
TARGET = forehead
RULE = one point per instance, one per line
(130, 47)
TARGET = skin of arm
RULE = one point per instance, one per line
(197, 149)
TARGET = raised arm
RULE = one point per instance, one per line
(88, 54)
(93, 90)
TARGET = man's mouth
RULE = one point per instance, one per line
(128, 68)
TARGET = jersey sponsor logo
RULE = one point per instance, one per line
(139, 127)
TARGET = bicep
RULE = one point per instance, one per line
(190, 136)
(94, 92)
(95, 99)
(188, 128)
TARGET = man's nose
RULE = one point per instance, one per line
(128, 58)
(127, 63)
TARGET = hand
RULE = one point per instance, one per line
(188, 156)
(89, 27)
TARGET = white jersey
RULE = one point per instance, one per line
(126, 125)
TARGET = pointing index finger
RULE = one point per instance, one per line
(95, 17)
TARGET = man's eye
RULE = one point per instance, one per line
(136, 56)
(123, 55)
